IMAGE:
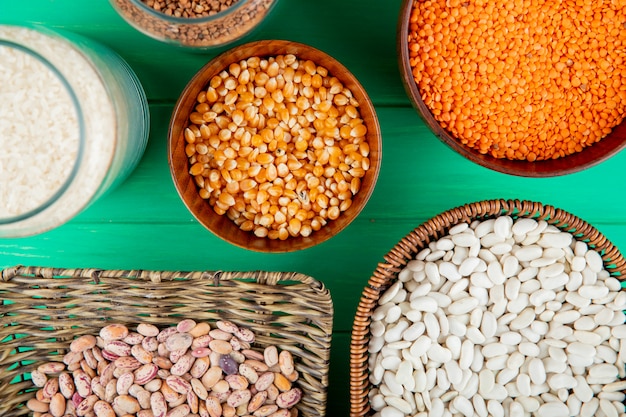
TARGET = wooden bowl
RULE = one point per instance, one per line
(185, 184)
(588, 157)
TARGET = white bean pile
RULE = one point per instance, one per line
(500, 318)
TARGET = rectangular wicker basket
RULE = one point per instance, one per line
(43, 309)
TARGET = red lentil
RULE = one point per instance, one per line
(521, 79)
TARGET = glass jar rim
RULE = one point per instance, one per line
(189, 20)
(81, 134)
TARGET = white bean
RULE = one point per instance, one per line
(439, 353)
(420, 380)
(471, 387)
(444, 244)
(450, 271)
(607, 407)
(453, 371)
(589, 409)
(394, 332)
(414, 331)
(491, 239)
(390, 293)
(494, 349)
(474, 335)
(559, 381)
(567, 317)
(432, 326)
(389, 379)
(495, 408)
(553, 409)
(390, 411)
(462, 306)
(593, 291)
(594, 260)
(528, 253)
(437, 407)
(487, 256)
(603, 370)
(555, 240)
(390, 363)
(501, 248)
(442, 382)
(399, 404)
(425, 304)
(484, 227)
(495, 273)
(489, 324)
(523, 384)
(523, 320)
(612, 396)
(502, 227)
(506, 375)
(516, 409)
(498, 393)
(463, 406)
(536, 371)
(420, 346)
(500, 317)
(496, 363)
(486, 381)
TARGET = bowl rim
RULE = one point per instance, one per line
(337, 69)
(186, 20)
(590, 156)
(386, 271)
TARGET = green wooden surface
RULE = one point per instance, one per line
(144, 225)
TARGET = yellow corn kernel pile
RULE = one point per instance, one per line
(278, 145)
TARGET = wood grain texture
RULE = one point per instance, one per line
(144, 224)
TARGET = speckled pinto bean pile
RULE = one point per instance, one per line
(521, 79)
(500, 318)
(278, 145)
(189, 369)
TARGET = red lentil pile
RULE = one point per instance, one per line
(522, 79)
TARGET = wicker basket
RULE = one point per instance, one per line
(43, 309)
(386, 272)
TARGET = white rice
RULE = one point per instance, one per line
(39, 131)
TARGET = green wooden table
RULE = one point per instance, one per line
(144, 225)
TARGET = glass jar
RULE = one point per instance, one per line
(74, 123)
(221, 28)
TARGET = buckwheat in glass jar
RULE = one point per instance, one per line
(500, 318)
(197, 24)
(73, 125)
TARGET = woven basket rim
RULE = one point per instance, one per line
(433, 229)
(50, 306)
(156, 276)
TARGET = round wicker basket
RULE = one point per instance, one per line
(405, 250)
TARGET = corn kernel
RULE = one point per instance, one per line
(287, 142)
